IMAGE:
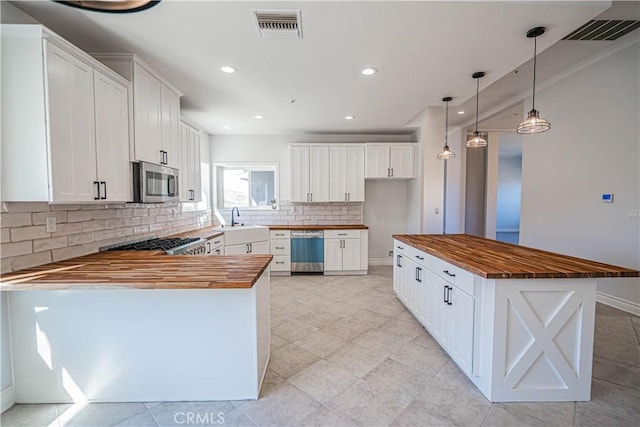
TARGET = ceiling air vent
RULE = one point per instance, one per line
(278, 24)
(603, 30)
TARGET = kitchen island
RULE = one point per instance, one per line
(140, 326)
(519, 322)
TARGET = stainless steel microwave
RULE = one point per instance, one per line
(154, 183)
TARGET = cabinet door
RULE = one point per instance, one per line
(398, 272)
(319, 174)
(147, 116)
(377, 161)
(402, 161)
(170, 116)
(260, 248)
(299, 177)
(332, 254)
(355, 174)
(241, 249)
(194, 165)
(338, 174)
(71, 127)
(185, 173)
(460, 317)
(112, 138)
(351, 254)
(433, 301)
(420, 295)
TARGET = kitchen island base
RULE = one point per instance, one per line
(140, 345)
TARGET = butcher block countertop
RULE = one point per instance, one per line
(140, 270)
(497, 260)
(320, 227)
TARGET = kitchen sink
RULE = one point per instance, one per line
(244, 234)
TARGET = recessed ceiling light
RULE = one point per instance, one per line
(227, 127)
(258, 116)
(228, 69)
(349, 117)
(460, 112)
(369, 71)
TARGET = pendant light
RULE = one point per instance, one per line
(477, 141)
(446, 154)
(534, 123)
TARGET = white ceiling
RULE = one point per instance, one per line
(424, 51)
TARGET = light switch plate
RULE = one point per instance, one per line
(51, 224)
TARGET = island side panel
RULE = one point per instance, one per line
(263, 327)
(134, 345)
(543, 342)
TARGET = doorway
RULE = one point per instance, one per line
(509, 189)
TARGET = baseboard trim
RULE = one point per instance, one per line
(8, 398)
(381, 261)
(619, 303)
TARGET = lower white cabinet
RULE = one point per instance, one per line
(253, 248)
(281, 251)
(443, 309)
(343, 251)
(215, 246)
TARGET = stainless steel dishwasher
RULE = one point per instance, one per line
(307, 251)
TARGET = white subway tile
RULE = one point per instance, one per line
(40, 245)
(80, 238)
(5, 235)
(40, 218)
(26, 207)
(98, 224)
(115, 223)
(15, 219)
(105, 214)
(15, 249)
(69, 252)
(31, 260)
(28, 233)
(5, 265)
(67, 228)
(79, 216)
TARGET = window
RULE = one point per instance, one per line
(246, 186)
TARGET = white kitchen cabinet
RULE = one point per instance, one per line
(309, 173)
(345, 251)
(280, 245)
(390, 161)
(156, 110)
(346, 173)
(190, 172)
(253, 248)
(66, 116)
(214, 246)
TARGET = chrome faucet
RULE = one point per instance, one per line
(233, 219)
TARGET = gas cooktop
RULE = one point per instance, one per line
(155, 244)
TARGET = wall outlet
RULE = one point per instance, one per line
(437, 211)
(51, 224)
(390, 253)
(634, 214)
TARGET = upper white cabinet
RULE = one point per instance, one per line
(156, 110)
(65, 122)
(190, 179)
(390, 161)
(309, 173)
(346, 176)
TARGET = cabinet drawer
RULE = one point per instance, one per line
(341, 234)
(281, 263)
(281, 246)
(280, 234)
(454, 275)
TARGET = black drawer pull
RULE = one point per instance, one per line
(400, 247)
(279, 262)
(279, 234)
(279, 247)
(449, 274)
(342, 234)
(216, 242)
(419, 257)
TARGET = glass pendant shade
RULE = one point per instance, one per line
(446, 153)
(533, 124)
(477, 141)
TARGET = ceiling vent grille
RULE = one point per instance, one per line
(603, 30)
(278, 24)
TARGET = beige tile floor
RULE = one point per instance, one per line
(346, 352)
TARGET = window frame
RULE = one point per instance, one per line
(218, 202)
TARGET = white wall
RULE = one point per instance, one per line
(385, 213)
(592, 148)
(509, 193)
(9, 14)
(455, 189)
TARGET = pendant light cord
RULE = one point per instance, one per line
(446, 124)
(477, 100)
(535, 49)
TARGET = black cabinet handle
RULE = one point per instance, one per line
(279, 262)
(400, 247)
(449, 289)
(419, 257)
(392, 172)
(104, 196)
(419, 278)
(251, 247)
(447, 272)
(97, 184)
(444, 297)
(398, 263)
(166, 158)
(208, 247)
